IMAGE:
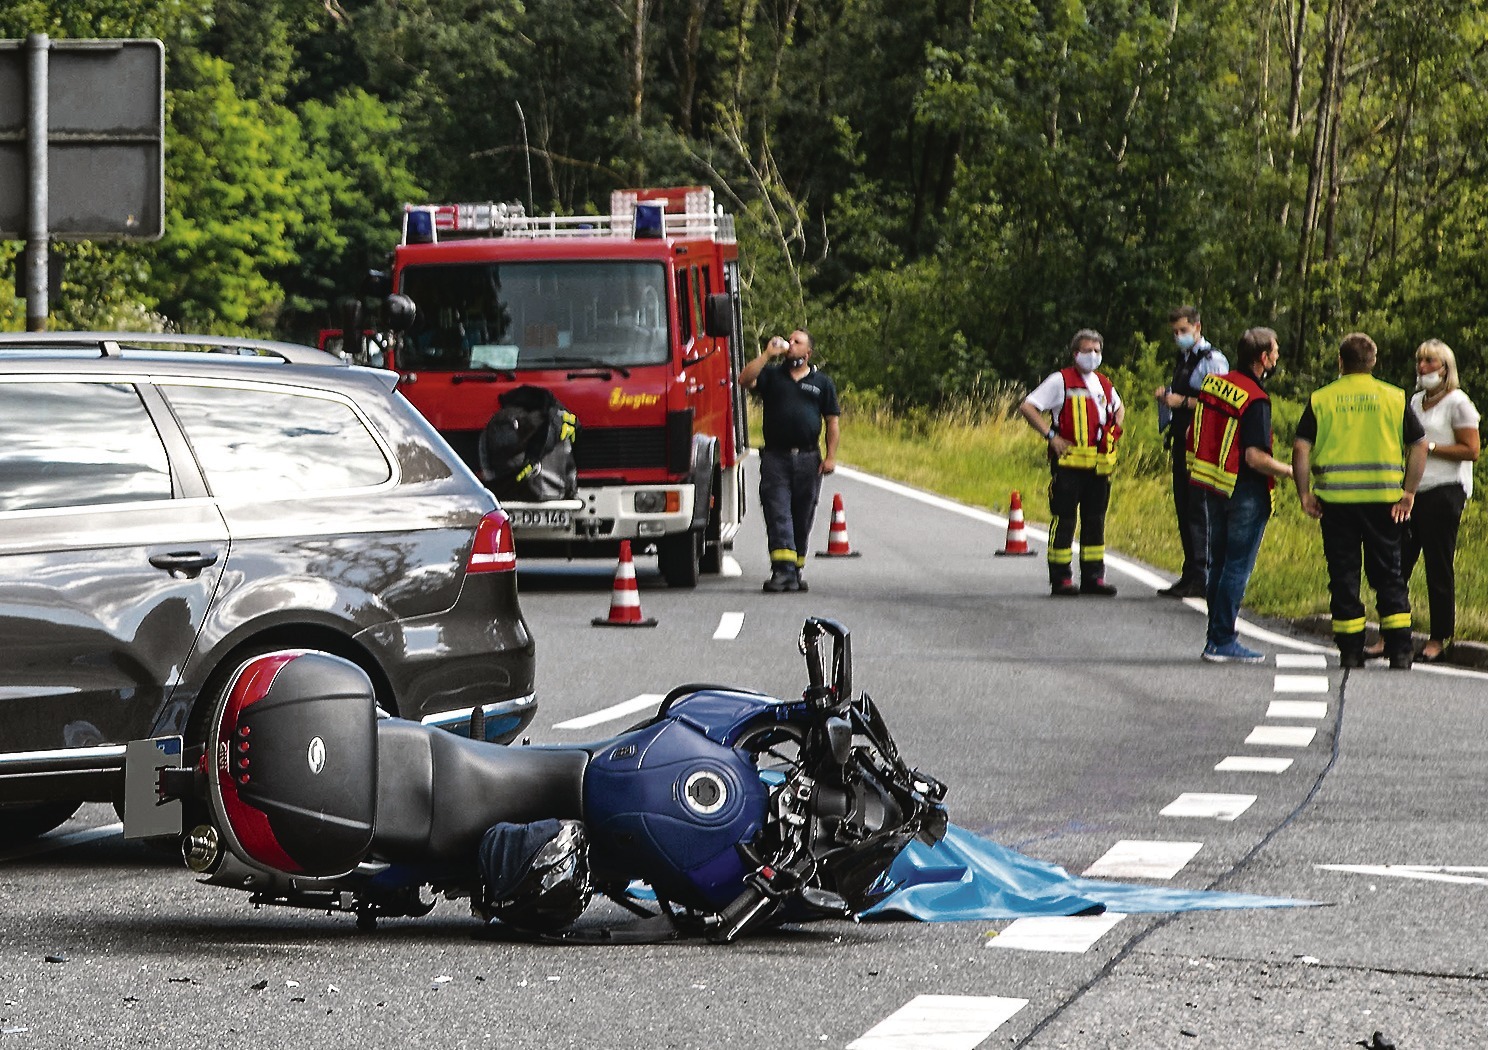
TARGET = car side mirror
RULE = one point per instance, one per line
(718, 315)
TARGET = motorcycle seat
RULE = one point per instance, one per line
(437, 793)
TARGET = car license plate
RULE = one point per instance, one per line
(541, 519)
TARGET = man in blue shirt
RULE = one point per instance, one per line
(799, 402)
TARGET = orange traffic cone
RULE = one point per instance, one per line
(625, 598)
(1017, 540)
(837, 545)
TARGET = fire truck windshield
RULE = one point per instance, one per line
(512, 316)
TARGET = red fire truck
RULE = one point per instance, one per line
(632, 320)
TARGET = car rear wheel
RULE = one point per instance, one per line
(20, 823)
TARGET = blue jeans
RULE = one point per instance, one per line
(1236, 525)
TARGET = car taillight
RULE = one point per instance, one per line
(494, 549)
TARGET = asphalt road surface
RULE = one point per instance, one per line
(1085, 732)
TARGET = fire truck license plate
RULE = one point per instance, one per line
(541, 519)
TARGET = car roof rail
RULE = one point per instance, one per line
(114, 344)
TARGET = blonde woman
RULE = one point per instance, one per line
(1453, 443)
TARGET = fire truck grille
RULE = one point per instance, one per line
(610, 448)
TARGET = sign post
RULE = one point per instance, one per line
(82, 152)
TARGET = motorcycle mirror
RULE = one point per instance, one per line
(825, 901)
(839, 739)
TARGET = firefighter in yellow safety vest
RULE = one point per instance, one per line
(1357, 459)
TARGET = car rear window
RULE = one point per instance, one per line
(73, 444)
(268, 444)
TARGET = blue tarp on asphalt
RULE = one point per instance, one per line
(965, 876)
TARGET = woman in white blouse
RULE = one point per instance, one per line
(1452, 446)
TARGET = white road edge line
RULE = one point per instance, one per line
(1116, 562)
(940, 1022)
(643, 702)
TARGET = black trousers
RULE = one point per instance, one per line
(1083, 496)
(1193, 517)
(790, 484)
(1361, 536)
(1431, 534)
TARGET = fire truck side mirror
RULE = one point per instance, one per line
(718, 321)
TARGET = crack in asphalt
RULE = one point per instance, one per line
(1163, 923)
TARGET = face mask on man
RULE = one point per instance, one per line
(794, 362)
(1428, 382)
(1185, 341)
(1088, 360)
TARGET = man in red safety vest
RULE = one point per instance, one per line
(1232, 470)
(1087, 414)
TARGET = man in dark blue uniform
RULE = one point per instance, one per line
(799, 402)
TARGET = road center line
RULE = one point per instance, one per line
(643, 702)
(1056, 933)
(1202, 804)
(1297, 709)
(729, 626)
(1253, 764)
(1301, 683)
(940, 1022)
(1281, 736)
(1135, 859)
(1299, 660)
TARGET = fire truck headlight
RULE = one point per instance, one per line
(650, 502)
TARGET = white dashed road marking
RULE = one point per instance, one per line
(1199, 804)
(1297, 709)
(729, 625)
(1135, 859)
(939, 1022)
(643, 702)
(1063, 933)
(1253, 764)
(1298, 660)
(1301, 683)
(1281, 736)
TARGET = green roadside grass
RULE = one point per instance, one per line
(979, 451)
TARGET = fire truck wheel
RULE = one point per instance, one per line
(680, 558)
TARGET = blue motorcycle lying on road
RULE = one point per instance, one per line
(736, 810)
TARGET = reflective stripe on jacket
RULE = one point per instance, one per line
(1358, 455)
(1214, 451)
(1079, 422)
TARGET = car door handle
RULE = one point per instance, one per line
(188, 563)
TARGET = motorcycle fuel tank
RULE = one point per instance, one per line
(666, 804)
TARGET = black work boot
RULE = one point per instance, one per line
(801, 580)
(782, 578)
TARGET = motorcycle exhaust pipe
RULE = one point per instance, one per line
(202, 849)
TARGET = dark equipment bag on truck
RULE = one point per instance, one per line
(526, 451)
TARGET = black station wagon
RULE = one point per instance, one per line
(166, 514)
